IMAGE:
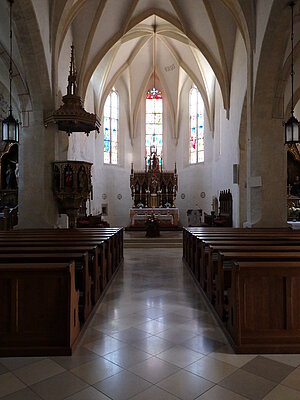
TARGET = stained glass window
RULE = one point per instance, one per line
(111, 127)
(154, 125)
(196, 126)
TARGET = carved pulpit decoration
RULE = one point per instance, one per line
(71, 186)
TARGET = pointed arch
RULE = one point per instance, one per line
(86, 75)
(144, 89)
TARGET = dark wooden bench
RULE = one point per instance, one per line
(195, 259)
(38, 309)
(82, 276)
(95, 268)
(103, 251)
(113, 246)
(190, 236)
(202, 246)
(264, 302)
(210, 249)
(105, 247)
(225, 262)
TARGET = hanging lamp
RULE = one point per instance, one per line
(291, 127)
(10, 126)
(71, 116)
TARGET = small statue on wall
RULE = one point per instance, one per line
(82, 179)
(68, 177)
(10, 177)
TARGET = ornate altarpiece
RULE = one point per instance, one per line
(153, 187)
(154, 190)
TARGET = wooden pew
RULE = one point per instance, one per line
(225, 262)
(111, 245)
(116, 235)
(82, 276)
(271, 236)
(208, 261)
(39, 309)
(264, 302)
(190, 240)
(105, 248)
(189, 233)
(36, 246)
(95, 269)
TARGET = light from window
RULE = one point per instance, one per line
(154, 125)
(196, 126)
(111, 128)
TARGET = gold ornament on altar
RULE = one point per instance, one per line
(153, 187)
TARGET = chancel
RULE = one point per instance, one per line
(177, 113)
(153, 191)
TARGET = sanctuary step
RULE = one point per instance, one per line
(166, 240)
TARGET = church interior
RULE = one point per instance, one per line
(149, 199)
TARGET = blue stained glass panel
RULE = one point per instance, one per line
(114, 124)
(106, 123)
(196, 107)
(106, 145)
(111, 128)
(154, 108)
(114, 136)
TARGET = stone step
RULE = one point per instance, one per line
(152, 242)
(161, 240)
(152, 245)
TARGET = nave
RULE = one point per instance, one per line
(152, 338)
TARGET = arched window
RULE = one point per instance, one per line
(111, 127)
(196, 126)
(154, 125)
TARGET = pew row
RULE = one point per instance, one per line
(264, 302)
(96, 256)
(211, 256)
(39, 309)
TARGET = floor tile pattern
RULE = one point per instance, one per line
(152, 338)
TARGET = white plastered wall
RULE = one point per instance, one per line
(215, 174)
(221, 146)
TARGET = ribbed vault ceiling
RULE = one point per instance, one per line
(194, 39)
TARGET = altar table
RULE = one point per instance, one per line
(168, 217)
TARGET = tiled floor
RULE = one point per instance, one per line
(152, 339)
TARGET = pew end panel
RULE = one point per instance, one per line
(264, 302)
(39, 309)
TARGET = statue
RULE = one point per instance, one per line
(10, 177)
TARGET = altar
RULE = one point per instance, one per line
(153, 190)
(167, 217)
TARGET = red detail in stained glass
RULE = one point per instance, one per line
(154, 94)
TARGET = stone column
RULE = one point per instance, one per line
(267, 184)
(37, 205)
